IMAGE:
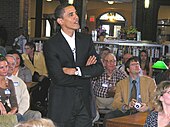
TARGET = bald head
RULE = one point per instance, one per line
(110, 62)
(110, 55)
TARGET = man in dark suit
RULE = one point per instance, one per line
(71, 61)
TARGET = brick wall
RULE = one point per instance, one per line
(9, 18)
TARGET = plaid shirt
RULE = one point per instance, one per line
(103, 83)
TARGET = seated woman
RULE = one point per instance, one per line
(160, 117)
(21, 70)
(145, 64)
(7, 90)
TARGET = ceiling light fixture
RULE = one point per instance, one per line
(110, 2)
(70, 1)
(147, 2)
(48, 0)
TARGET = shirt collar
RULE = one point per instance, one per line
(67, 37)
(137, 80)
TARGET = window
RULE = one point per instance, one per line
(112, 22)
(47, 29)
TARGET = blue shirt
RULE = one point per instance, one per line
(137, 88)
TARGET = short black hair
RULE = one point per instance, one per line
(59, 11)
(31, 44)
(127, 64)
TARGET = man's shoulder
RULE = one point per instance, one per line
(144, 77)
(120, 71)
(124, 81)
(54, 37)
(16, 79)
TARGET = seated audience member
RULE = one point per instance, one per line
(37, 123)
(160, 71)
(145, 63)
(104, 86)
(126, 56)
(7, 91)
(36, 63)
(167, 62)
(23, 97)
(21, 70)
(103, 52)
(160, 116)
(135, 89)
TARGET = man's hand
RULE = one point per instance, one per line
(143, 108)
(91, 60)
(111, 91)
(69, 71)
(132, 103)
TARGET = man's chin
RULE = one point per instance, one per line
(77, 27)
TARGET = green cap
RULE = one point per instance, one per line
(160, 65)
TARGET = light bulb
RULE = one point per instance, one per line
(110, 2)
(70, 1)
(147, 2)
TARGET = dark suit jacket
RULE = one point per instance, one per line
(58, 54)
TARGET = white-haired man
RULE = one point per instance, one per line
(23, 97)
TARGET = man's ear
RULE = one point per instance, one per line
(128, 69)
(59, 21)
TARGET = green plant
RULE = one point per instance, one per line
(123, 30)
(131, 30)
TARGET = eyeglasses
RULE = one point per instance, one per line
(27, 48)
(110, 61)
(11, 64)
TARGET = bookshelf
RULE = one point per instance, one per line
(120, 47)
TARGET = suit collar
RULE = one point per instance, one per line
(66, 48)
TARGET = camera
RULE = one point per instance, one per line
(137, 105)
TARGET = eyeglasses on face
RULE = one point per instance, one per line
(110, 61)
(27, 48)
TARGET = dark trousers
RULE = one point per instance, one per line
(117, 113)
(80, 117)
